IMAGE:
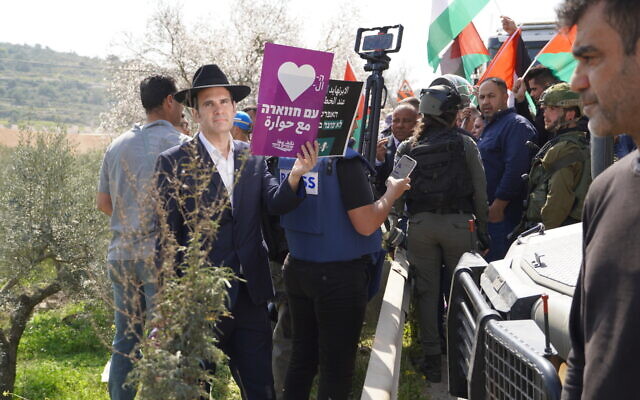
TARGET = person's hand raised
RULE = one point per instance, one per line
(305, 161)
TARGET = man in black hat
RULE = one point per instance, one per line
(242, 182)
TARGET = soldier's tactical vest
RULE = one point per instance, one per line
(540, 175)
(441, 181)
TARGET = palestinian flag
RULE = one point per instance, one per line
(557, 56)
(465, 54)
(511, 60)
(349, 75)
(448, 19)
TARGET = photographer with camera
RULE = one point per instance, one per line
(448, 190)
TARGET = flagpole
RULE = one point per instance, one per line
(498, 7)
(531, 66)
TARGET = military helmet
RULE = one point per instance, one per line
(560, 95)
(464, 88)
(439, 99)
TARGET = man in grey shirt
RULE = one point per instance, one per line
(124, 194)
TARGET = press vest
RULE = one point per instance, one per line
(539, 176)
(441, 181)
(319, 229)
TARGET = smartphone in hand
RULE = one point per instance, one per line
(403, 167)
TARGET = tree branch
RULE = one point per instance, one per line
(25, 307)
(7, 286)
(45, 292)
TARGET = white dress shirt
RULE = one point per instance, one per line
(225, 166)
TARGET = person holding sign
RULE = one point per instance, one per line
(242, 184)
(334, 238)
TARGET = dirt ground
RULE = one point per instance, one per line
(84, 141)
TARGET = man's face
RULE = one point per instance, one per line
(554, 118)
(608, 80)
(173, 110)
(536, 89)
(492, 99)
(216, 110)
(184, 126)
(240, 134)
(252, 114)
(403, 122)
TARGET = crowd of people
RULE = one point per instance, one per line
(487, 168)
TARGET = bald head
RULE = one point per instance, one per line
(403, 122)
(492, 97)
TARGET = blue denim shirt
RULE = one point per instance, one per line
(506, 157)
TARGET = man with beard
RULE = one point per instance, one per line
(536, 81)
(605, 322)
(506, 157)
(560, 175)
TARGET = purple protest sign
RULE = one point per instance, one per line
(293, 85)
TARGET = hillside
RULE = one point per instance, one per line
(40, 84)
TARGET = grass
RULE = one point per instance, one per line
(63, 352)
(412, 385)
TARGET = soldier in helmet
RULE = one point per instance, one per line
(448, 190)
(560, 173)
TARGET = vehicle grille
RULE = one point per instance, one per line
(513, 371)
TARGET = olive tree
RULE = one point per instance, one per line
(51, 238)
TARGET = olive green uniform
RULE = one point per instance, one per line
(558, 181)
(436, 239)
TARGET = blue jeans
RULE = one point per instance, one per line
(499, 242)
(134, 285)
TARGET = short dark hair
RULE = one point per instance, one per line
(542, 75)
(154, 89)
(622, 15)
(498, 81)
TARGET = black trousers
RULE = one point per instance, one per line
(246, 339)
(327, 302)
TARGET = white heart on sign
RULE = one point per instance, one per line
(295, 80)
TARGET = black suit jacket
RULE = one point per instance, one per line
(383, 171)
(238, 240)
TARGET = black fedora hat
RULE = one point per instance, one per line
(208, 76)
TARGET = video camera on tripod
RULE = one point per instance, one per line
(373, 45)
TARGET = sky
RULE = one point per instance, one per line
(92, 28)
